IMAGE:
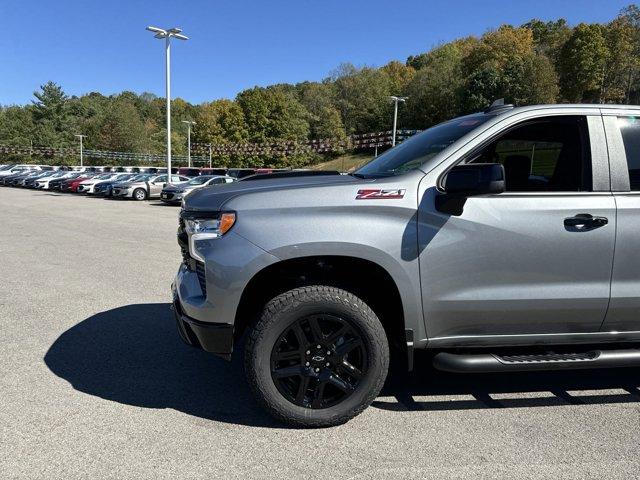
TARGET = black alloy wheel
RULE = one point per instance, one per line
(318, 361)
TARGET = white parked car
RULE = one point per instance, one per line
(11, 170)
(88, 185)
(43, 183)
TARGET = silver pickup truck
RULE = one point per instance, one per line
(501, 241)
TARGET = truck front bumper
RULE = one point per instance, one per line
(216, 338)
(206, 295)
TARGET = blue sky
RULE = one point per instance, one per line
(102, 45)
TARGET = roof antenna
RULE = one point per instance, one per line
(498, 105)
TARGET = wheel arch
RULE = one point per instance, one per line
(364, 278)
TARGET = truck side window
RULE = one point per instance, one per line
(630, 129)
(545, 155)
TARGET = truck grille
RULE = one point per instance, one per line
(202, 277)
(183, 243)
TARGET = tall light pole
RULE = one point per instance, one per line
(209, 145)
(395, 101)
(189, 123)
(161, 33)
(80, 137)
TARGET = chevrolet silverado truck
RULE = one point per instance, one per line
(502, 241)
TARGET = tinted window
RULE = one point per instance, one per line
(412, 153)
(543, 155)
(630, 129)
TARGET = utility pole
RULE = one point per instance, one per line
(209, 145)
(161, 33)
(189, 123)
(395, 101)
(80, 137)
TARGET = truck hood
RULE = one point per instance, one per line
(213, 199)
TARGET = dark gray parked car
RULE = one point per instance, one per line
(501, 241)
(174, 194)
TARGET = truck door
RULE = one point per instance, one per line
(534, 260)
(623, 137)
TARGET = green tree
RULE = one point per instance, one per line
(362, 97)
(16, 126)
(549, 37)
(325, 120)
(504, 64)
(273, 114)
(434, 92)
(621, 65)
(582, 64)
(399, 76)
(120, 127)
(53, 124)
(220, 121)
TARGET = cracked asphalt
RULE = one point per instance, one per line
(95, 383)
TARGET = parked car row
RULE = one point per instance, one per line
(137, 186)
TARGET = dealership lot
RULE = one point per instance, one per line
(95, 383)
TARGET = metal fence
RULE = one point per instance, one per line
(201, 152)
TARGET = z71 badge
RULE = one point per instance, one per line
(377, 194)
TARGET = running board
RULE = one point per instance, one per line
(488, 362)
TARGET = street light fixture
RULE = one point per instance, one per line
(396, 100)
(189, 123)
(80, 137)
(167, 34)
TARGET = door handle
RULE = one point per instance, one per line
(585, 221)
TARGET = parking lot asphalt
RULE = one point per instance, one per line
(95, 383)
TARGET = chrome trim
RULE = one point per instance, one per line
(532, 339)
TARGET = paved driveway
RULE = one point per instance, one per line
(94, 382)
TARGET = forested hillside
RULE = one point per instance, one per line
(538, 62)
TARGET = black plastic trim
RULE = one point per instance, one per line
(216, 338)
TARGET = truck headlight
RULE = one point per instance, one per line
(199, 229)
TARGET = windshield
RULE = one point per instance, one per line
(199, 180)
(140, 178)
(128, 176)
(413, 152)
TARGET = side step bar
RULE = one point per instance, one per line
(488, 362)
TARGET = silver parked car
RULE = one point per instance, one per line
(175, 193)
(503, 241)
(145, 186)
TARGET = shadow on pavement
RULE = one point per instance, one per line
(160, 203)
(133, 355)
(542, 389)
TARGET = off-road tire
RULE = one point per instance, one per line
(283, 311)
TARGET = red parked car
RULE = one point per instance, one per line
(71, 185)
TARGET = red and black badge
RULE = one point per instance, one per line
(378, 194)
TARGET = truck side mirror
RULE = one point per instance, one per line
(475, 179)
(465, 181)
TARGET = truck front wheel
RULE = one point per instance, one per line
(317, 356)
